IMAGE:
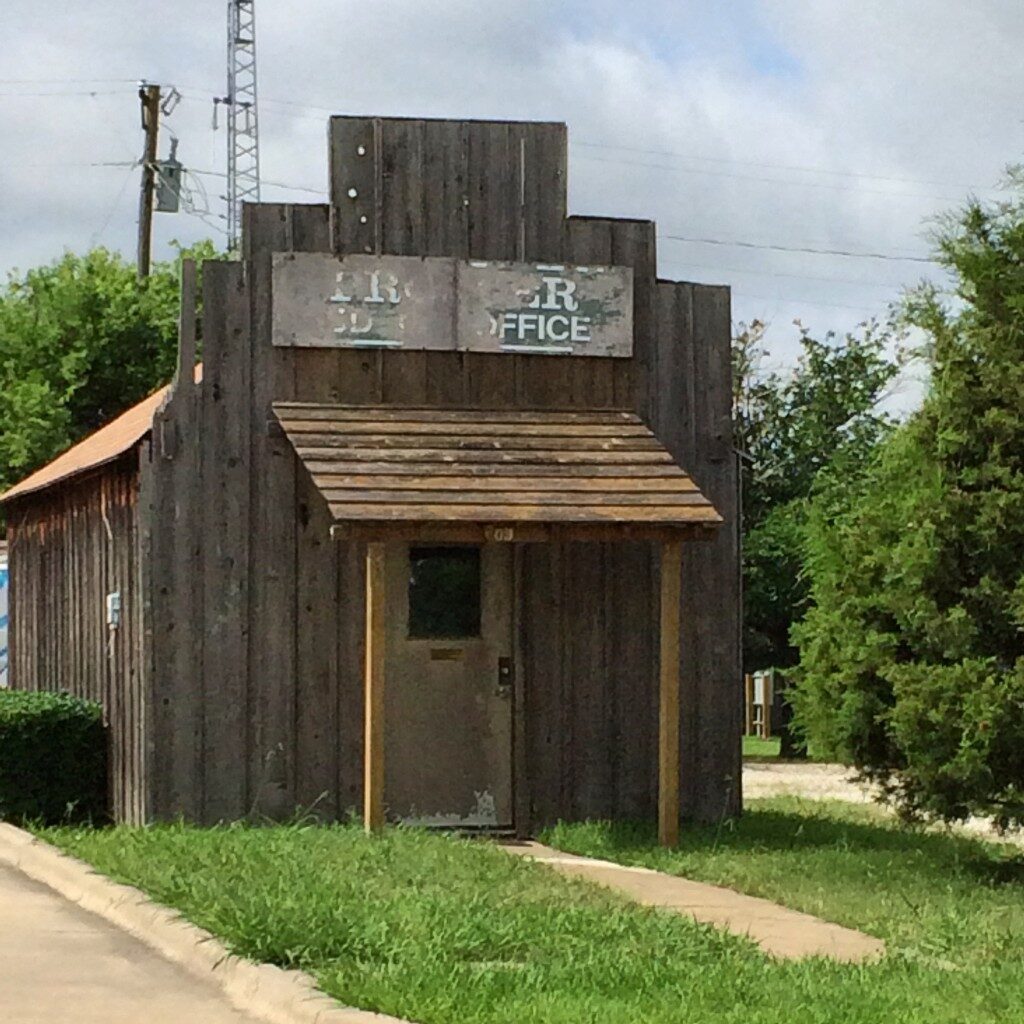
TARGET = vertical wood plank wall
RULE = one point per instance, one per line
(69, 548)
(693, 366)
(243, 564)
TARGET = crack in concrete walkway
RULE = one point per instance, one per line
(779, 931)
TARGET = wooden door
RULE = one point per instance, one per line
(448, 704)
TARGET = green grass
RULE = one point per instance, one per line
(754, 746)
(757, 749)
(933, 896)
(439, 929)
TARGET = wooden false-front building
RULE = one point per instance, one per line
(443, 529)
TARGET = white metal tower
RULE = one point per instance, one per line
(243, 122)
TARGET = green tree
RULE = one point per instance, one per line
(81, 340)
(912, 653)
(793, 429)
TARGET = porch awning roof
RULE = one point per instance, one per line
(389, 471)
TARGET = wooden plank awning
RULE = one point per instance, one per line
(512, 474)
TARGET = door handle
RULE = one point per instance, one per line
(506, 677)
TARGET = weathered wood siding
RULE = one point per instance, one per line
(222, 525)
(71, 546)
(263, 710)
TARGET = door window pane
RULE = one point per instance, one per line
(444, 593)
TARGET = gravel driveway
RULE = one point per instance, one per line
(814, 781)
(802, 778)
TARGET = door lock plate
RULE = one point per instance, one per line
(506, 677)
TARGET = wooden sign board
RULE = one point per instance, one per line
(412, 302)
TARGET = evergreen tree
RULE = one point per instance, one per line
(912, 654)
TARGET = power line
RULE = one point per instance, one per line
(83, 92)
(799, 302)
(322, 192)
(742, 294)
(317, 117)
(773, 273)
(98, 233)
(207, 218)
(266, 181)
(718, 174)
(858, 175)
(202, 94)
(317, 113)
(776, 181)
(807, 250)
(68, 81)
(801, 249)
(772, 166)
(709, 159)
(74, 166)
(304, 106)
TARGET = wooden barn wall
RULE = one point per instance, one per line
(275, 608)
(222, 528)
(589, 642)
(70, 547)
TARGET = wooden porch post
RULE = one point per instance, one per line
(668, 703)
(374, 676)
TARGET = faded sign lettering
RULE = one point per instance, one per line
(357, 290)
(546, 308)
(440, 303)
(557, 320)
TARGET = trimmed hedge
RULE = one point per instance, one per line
(53, 758)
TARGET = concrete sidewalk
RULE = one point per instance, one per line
(778, 930)
(60, 963)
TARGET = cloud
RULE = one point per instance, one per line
(786, 122)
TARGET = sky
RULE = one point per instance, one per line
(747, 130)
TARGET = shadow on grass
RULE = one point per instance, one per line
(811, 828)
(1007, 871)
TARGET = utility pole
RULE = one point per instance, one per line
(150, 97)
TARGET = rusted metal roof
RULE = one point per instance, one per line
(103, 446)
(413, 465)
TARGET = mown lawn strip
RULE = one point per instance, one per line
(443, 930)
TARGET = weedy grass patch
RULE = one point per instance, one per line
(755, 746)
(441, 929)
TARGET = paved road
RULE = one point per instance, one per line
(60, 963)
